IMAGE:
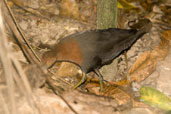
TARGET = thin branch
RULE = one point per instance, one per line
(19, 30)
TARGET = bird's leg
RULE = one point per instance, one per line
(100, 78)
(83, 79)
(126, 61)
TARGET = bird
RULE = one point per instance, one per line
(93, 49)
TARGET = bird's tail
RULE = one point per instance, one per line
(143, 26)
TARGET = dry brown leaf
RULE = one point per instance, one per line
(166, 9)
(137, 104)
(67, 69)
(161, 51)
(79, 10)
(121, 82)
(120, 95)
(66, 75)
(10, 4)
(167, 35)
(148, 4)
(143, 67)
(147, 62)
(69, 8)
(92, 82)
(18, 2)
(110, 90)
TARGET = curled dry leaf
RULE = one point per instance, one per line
(120, 95)
(67, 69)
(65, 75)
(148, 4)
(69, 8)
(16, 2)
(138, 104)
(161, 51)
(83, 10)
(167, 35)
(143, 67)
(166, 9)
(147, 62)
(110, 90)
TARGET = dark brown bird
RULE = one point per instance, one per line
(95, 48)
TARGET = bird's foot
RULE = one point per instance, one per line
(81, 82)
(100, 79)
(101, 85)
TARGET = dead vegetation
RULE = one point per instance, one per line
(26, 87)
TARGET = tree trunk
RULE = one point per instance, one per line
(106, 14)
(107, 18)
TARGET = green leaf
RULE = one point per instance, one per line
(155, 98)
(124, 4)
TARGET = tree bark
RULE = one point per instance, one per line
(107, 18)
(106, 14)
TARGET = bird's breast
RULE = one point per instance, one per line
(69, 50)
